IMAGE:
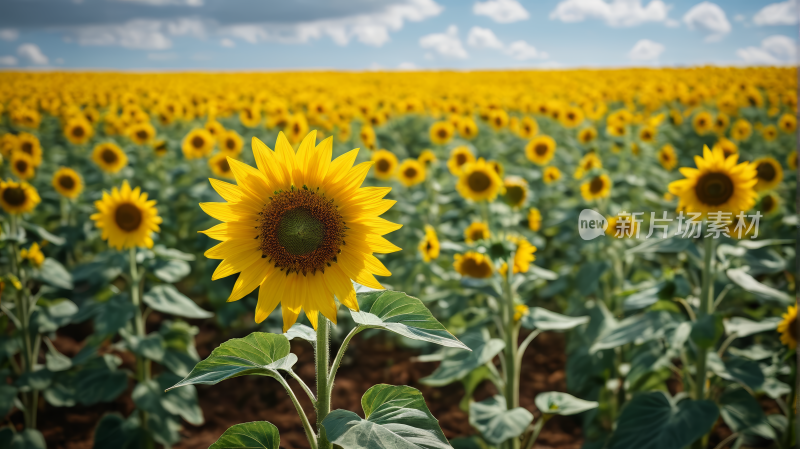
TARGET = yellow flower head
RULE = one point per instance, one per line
(215, 128)
(78, 130)
(427, 158)
(703, 123)
(769, 133)
(385, 164)
(230, 142)
(109, 157)
(250, 116)
(22, 166)
(126, 218)
(667, 157)
(572, 117)
(523, 256)
(301, 228)
(473, 264)
(219, 165)
(441, 132)
(8, 143)
(791, 160)
(551, 175)
(411, 172)
(769, 204)
(516, 191)
(741, 130)
(367, 135)
(160, 147)
(476, 231)
(768, 172)
(534, 219)
(429, 246)
(33, 255)
(29, 144)
(648, 134)
(141, 133)
(728, 147)
(297, 128)
(540, 150)
(67, 182)
(18, 197)
(787, 123)
(587, 135)
(788, 327)
(459, 157)
(198, 143)
(596, 188)
(587, 163)
(498, 119)
(478, 182)
(528, 127)
(520, 310)
(497, 167)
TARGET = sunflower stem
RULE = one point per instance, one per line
(510, 369)
(142, 371)
(322, 352)
(706, 308)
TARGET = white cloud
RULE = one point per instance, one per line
(8, 60)
(227, 43)
(523, 51)
(162, 56)
(501, 11)
(672, 23)
(646, 50)
(32, 53)
(618, 13)
(8, 34)
(483, 38)
(783, 13)
(407, 66)
(446, 44)
(136, 34)
(739, 18)
(774, 50)
(708, 17)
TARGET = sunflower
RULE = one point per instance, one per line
(516, 191)
(109, 157)
(141, 133)
(573, 116)
(534, 219)
(619, 228)
(616, 130)
(497, 167)
(22, 166)
(429, 246)
(667, 157)
(385, 164)
(721, 123)
(467, 128)
(127, 219)
(29, 144)
(296, 128)
(300, 227)
(675, 117)
(587, 163)
(198, 143)
(427, 158)
(648, 134)
(498, 119)
(596, 188)
(18, 197)
(411, 172)
(78, 130)
(33, 255)
(586, 135)
(8, 143)
(788, 327)
(67, 182)
(728, 147)
(551, 175)
(459, 157)
(787, 123)
(769, 133)
(160, 147)
(367, 135)
(791, 160)
(523, 256)
(441, 132)
(768, 172)
(250, 116)
(528, 127)
(476, 231)
(478, 181)
(702, 123)
(473, 264)
(219, 165)
(769, 204)
(741, 130)
(214, 127)
(343, 132)
(540, 150)
(717, 184)
(230, 142)
(520, 310)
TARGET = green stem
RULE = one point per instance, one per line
(23, 306)
(142, 368)
(323, 387)
(537, 429)
(510, 369)
(312, 438)
(706, 308)
(339, 356)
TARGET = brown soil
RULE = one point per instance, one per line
(367, 362)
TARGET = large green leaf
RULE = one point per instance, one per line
(737, 369)
(150, 346)
(653, 421)
(543, 319)
(259, 353)
(101, 381)
(557, 403)
(167, 299)
(394, 418)
(53, 273)
(115, 432)
(495, 422)
(745, 327)
(743, 279)
(24, 439)
(637, 328)
(171, 271)
(404, 315)
(456, 363)
(7, 395)
(743, 413)
(249, 435)
(49, 317)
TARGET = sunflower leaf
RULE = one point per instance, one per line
(167, 299)
(404, 315)
(257, 434)
(260, 354)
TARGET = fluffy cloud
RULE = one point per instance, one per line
(783, 13)
(774, 50)
(523, 51)
(136, 34)
(229, 43)
(8, 34)
(708, 17)
(646, 51)
(483, 38)
(446, 44)
(501, 11)
(407, 66)
(32, 54)
(618, 13)
(8, 60)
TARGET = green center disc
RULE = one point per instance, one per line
(299, 232)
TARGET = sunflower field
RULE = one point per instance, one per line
(511, 260)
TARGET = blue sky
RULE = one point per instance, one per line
(392, 34)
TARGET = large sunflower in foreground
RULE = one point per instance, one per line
(717, 184)
(301, 228)
(18, 197)
(788, 327)
(127, 219)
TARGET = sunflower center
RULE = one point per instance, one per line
(383, 165)
(646, 135)
(768, 203)
(301, 231)
(596, 185)
(78, 131)
(515, 194)
(66, 182)
(473, 268)
(410, 172)
(27, 147)
(442, 133)
(461, 159)
(198, 142)
(224, 166)
(22, 166)
(230, 144)
(766, 171)
(108, 156)
(141, 134)
(714, 188)
(478, 181)
(540, 149)
(14, 196)
(128, 217)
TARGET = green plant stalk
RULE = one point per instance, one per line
(322, 352)
(706, 307)
(142, 368)
(537, 429)
(510, 352)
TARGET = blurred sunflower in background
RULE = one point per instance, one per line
(769, 133)
(160, 147)
(534, 219)
(8, 143)
(528, 127)
(22, 166)
(551, 174)
(769, 173)
(769, 204)
(367, 135)
(788, 327)
(516, 191)
(476, 231)
(109, 157)
(523, 256)
(296, 128)
(787, 123)
(728, 147)
(385, 164)
(588, 162)
(141, 133)
(429, 246)
(473, 264)
(648, 134)
(230, 142)
(18, 197)
(540, 150)
(30, 145)
(703, 123)
(78, 130)
(67, 182)
(219, 165)
(411, 172)
(587, 135)
(478, 181)
(427, 158)
(126, 218)
(198, 143)
(741, 130)
(497, 167)
(215, 128)
(459, 157)
(32, 254)
(596, 188)
(667, 157)
(791, 160)
(441, 132)
(301, 228)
